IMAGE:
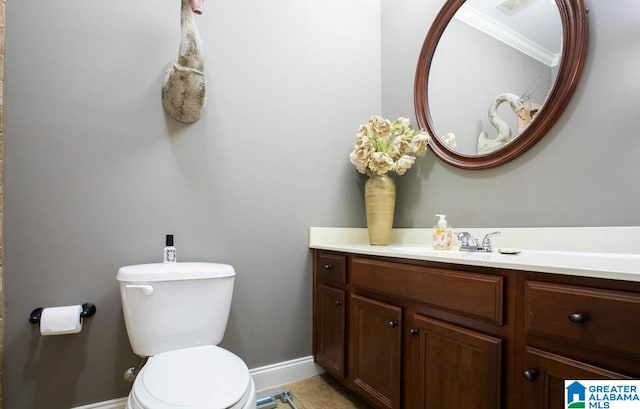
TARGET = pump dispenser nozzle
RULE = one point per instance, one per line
(443, 220)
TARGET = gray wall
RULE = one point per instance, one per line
(97, 174)
(583, 173)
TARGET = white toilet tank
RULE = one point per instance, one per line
(175, 305)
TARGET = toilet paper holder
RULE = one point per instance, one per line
(88, 309)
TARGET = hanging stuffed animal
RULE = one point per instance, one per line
(184, 86)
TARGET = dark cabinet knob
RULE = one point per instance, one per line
(578, 318)
(338, 303)
(328, 266)
(393, 324)
(413, 332)
(530, 375)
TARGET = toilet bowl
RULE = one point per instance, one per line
(175, 315)
(206, 377)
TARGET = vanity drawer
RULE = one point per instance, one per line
(476, 295)
(595, 318)
(331, 268)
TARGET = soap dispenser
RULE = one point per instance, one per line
(442, 234)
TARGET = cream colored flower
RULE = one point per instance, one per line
(380, 126)
(450, 139)
(364, 131)
(420, 143)
(404, 164)
(382, 146)
(363, 147)
(401, 125)
(362, 151)
(380, 163)
(361, 165)
(401, 145)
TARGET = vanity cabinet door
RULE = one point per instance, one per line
(375, 332)
(450, 367)
(330, 330)
(545, 374)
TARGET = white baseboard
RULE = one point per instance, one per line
(270, 376)
(265, 377)
(110, 404)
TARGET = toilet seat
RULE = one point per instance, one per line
(205, 377)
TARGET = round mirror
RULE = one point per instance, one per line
(493, 78)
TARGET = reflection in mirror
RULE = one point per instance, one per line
(492, 79)
(496, 65)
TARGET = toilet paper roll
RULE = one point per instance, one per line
(61, 320)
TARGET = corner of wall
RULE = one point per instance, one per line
(3, 6)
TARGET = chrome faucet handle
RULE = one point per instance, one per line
(466, 239)
(486, 241)
(469, 243)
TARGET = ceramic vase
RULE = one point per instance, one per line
(379, 202)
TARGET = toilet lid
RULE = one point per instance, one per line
(200, 377)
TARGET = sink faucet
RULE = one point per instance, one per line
(470, 243)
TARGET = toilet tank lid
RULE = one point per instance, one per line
(173, 271)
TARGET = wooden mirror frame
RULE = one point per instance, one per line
(574, 51)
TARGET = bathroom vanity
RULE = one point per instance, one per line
(406, 327)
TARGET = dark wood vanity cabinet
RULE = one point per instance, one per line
(375, 345)
(440, 359)
(414, 334)
(576, 328)
(329, 313)
(330, 325)
(545, 375)
(448, 366)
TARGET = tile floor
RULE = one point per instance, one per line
(320, 392)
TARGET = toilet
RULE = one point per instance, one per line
(176, 314)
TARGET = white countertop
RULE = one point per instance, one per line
(601, 252)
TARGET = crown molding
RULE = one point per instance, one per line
(506, 35)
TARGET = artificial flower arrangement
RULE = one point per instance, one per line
(382, 146)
